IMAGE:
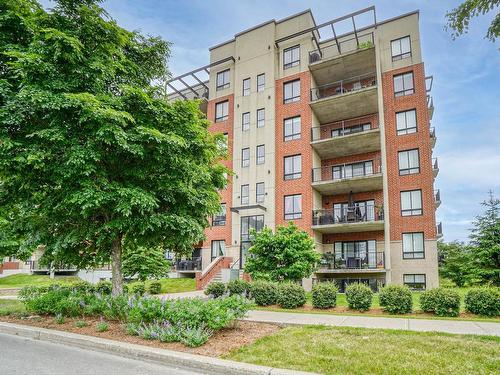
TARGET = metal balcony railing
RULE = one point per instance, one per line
(193, 264)
(439, 230)
(435, 165)
(344, 86)
(219, 220)
(341, 172)
(432, 132)
(355, 260)
(437, 196)
(333, 49)
(357, 213)
(343, 128)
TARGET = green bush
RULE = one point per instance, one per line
(102, 327)
(264, 293)
(104, 287)
(428, 300)
(324, 295)
(290, 295)
(483, 301)
(138, 288)
(82, 287)
(441, 301)
(154, 287)
(81, 324)
(237, 287)
(396, 299)
(215, 289)
(59, 319)
(358, 296)
(194, 337)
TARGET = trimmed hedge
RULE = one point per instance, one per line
(237, 287)
(441, 301)
(264, 293)
(324, 295)
(104, 287)
(483, 301)
(291, 295)
(428, 300)
(358, 296)
(396, 299)
(215, 289)
(138, 289)
(154, 287)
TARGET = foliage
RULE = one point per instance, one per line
(194, 337)
(286, 255)
(264, 293)
(154, 287)
(428, 299)
(290, 295)
(324, 295)
(237, 287)
(145, 262)
(441, 301)
(138, 288)
(454, 262)
(92, 156)
(101, 326)
(396, 299)
(59, 319)
(358, 296)
(215, 289)
(81, 324)
(483, 301)
(459, 17)
(104, 287)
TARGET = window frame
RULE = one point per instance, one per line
(224, 117)
(294, 175)
(246, 91)
(412, 254)
(225, 85)
(247, 196)
(261, 86)
(260, 159)
(291, 64)
(406, 130)
(294, 215)
(293, 136)
(408, 284)
(219, 223)
(259, 198)
(245, 163)
(261, 122)
(404, 91)
(410, 170)
(292, 99)
(411, 211)
(212, 248)
(245, 126)
(402, 55)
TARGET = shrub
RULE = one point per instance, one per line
(215, 289)
(483, 301)
(82, 287)
(291, 295)
(194, 337)
(138, 289)
(154, 287)
(264, 293)
(396, 299)
(428, 300)
(358, 296)
(441, 301)
(324, 295)
(237, 287)
(104, 287)
(81, 324)
(59, 319)
(102, 327)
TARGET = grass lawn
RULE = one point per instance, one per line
(343, 350)
(20, 280)
(176, 285)
(11, 306)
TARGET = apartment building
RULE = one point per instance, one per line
(327, 126)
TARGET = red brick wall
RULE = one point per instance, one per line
(330, 238)
(394, 143)
(378, 196)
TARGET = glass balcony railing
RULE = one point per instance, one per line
(193, 264)
(356, 213)
(341, 172)
(344, 86)
(337, 48)
(343, 128)
(354, 260)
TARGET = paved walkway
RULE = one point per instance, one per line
(424, 325)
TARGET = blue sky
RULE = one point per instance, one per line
(466, 74)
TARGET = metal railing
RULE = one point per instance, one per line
(357, 213)
(343, 128)
(432, 132)
(437, 196)
(343, 86)
(363, 41)
(357, 260)
(35, 265)
(375, 283)
(435, 165)
(346, 171)
(219, 220)
(193, 264)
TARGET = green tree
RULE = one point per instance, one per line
(454, 262)
(145, 262)
(459, 17)
(91, 153)
(288, 254)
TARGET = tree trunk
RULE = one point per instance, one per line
(116, 266)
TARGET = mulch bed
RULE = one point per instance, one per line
(221, 343)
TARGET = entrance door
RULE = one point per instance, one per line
(247, 224)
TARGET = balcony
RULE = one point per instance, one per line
(439, 230)
(357, 261)
(433, 136)
(437, 198)
(188, 265)
(357, 218)
(346, 137)
(344, 178)
(430, 106)
(219, 220)
(348, 98)
(435, 167)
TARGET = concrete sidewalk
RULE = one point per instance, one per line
(423, 325)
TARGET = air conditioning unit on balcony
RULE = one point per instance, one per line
(314, 56)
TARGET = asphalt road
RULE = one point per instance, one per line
(33, 357)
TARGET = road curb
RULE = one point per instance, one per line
(145, 353)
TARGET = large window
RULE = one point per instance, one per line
(411, 203)
(291, 91)
(248, 223)
(361, 211)
(293, 167)
(350, 130)
(221, 111)
(293, 206)
(291, 57)
(220, 218)
(413, 245)
(245, 121)
(414, 281)
(223, 80)
(291, 128)
(403, 84)
(261, 117)
(261, 154)
(218, 248)
(245, 157)
(261, 82)
(245, 194)
(357, 254)
(260, 192)
(401, 48)
(409, 162)
(364, 168)
(406, 122)
(246, 87)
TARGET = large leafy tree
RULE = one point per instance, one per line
(459, 18)
(454, 262)
(145, 262)
(287, 254)
(91, 153)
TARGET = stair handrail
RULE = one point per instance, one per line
(234, 263)
(212, 264)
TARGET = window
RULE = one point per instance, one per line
(245, 121)
(403, 84)
(413, 245)
(245, 157)
(291, 128)
(291, 57)
(357, 254)
(293, 207)
(261, 154)
(414, 281)
(293, 167)
(291, 91)
(406, 122)
(223, 80)
(411, 203)
(223, 143)
(363, 211)
(401, 48)
(221, 111)
(364, 168)
(260, 192)
(261, 82)
(246, 87)
(248, 223)
(220, 218)
(409, 162)
(218, 248)
(261, 117)
(350, 130)
(245, 194)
